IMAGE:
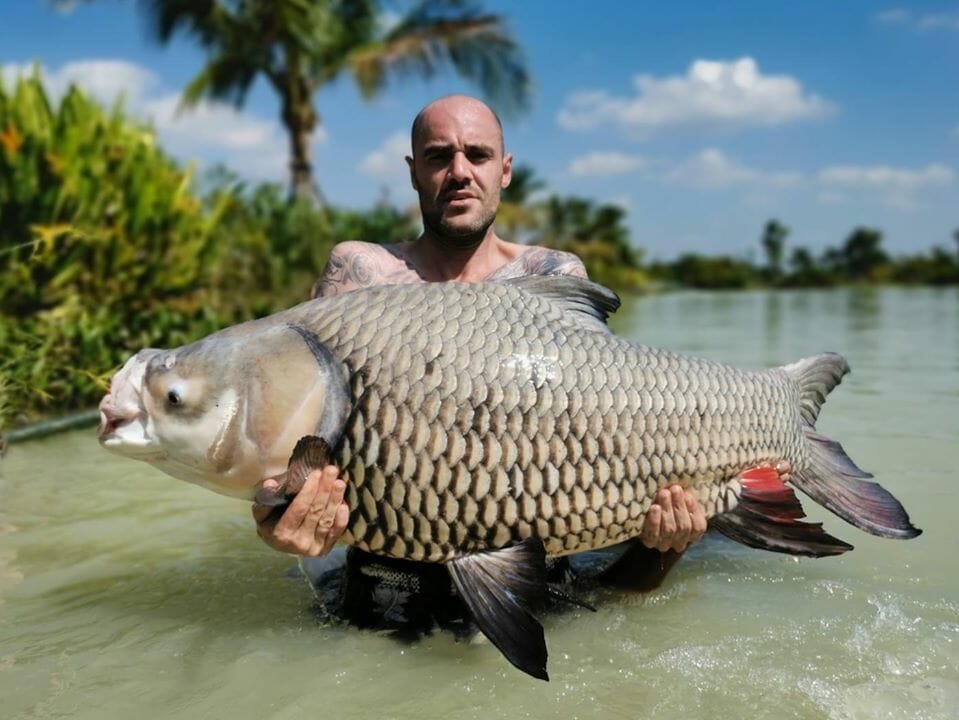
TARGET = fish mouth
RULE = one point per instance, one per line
(113, 416)
(123, 428)
(124, 420)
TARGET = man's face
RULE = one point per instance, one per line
(458, 169)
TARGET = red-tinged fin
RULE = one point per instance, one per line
(500, 588)
(767, 517)
(310, 453)
(833, 480)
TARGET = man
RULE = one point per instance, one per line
(458, 168)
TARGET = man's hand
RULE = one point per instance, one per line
(313, 522)
(674, 521)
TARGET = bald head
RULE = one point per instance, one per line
(458, 168)
(454, 106)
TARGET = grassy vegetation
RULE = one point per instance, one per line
(106, 247)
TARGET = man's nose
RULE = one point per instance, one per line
(459, 167)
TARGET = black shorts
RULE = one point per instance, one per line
(383, 593)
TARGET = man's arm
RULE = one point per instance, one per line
(354, 265)
(545, 261)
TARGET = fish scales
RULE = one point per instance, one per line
(540, 451)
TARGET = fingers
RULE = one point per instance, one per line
(314, 520)
(652, 527)
(674, 521)
(684, 522)
(668, 532)
(319, 524)
(340, 519)
(698, 517)
(784, 468)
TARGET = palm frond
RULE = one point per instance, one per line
(436, 34)
(226, 77)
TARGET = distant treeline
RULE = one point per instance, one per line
(860, 259)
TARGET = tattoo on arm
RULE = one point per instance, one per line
(360, 268)
(543, 261)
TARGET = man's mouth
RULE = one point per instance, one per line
(458, 197)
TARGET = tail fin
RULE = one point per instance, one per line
(816, 377)
(830, 477)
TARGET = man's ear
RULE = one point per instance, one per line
(507, 170)
(412, 167)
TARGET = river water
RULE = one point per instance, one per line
(127, 594)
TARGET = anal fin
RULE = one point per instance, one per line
(767, 517)
(500, 588)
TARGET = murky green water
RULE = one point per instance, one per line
(127, 594)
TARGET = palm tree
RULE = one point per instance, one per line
(516, 210)
(774, 242)
(299, 46)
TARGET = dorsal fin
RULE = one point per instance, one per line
(592, 303)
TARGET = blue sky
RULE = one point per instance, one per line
(702, 121)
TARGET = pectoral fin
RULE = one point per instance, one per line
(500, 588)
(310, 453)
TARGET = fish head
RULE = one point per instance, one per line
(224, 412)
(175, 410)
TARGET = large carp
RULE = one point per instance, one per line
(486, 426)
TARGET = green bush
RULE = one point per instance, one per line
(104, 249)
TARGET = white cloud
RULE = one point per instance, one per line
(210, 131)
(605, 163)
(712, 93)
(711, 168)
(920, 21)
(896, 186)
(105, 80)
(387, 162)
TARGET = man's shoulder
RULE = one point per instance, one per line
(348, 248)
(354, 264)
(537, 260)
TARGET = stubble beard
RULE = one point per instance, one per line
(458, 236)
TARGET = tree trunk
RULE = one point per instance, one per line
(302, 184)
(300, 120)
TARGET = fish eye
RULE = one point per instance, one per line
(173, 397)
